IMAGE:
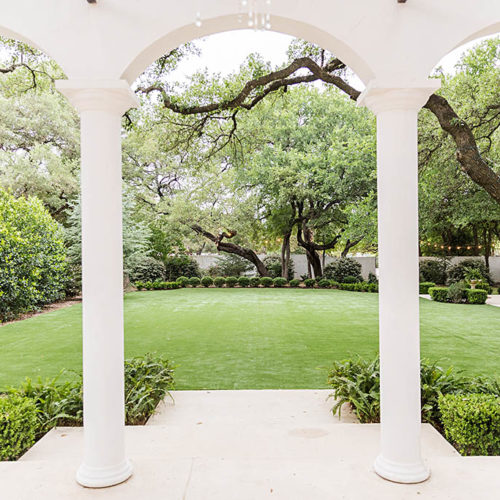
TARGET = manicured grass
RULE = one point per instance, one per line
(247, 338)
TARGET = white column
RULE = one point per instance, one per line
(399, 334)
(101, 105)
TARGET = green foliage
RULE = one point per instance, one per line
(476, 296)
(145, 268)
(181, 265)
(456, 292)
(424, 287)
(266, 282)
(183, 281)
(433, 271)
(439, 294)
(342, 269)
(484, 286)
(219, 282)
(33, 266)
(472, 422)
(294, 283)
(194, 281)
(207, 281)
(458, 272)
(18, 424)
(231, 265)
(231, 281)
(273, 265)
(324, 283)
(309, 283)
(244, 281)
(279, 282)
(334, 284)
(372, 278)
(255, 282)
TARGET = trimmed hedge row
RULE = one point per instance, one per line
(255, 282)
(447, 294)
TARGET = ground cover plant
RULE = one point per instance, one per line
(243, 338)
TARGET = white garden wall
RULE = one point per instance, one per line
(494, 264)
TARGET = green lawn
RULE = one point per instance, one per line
(251, 338)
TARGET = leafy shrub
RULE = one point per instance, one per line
(433, 271)
(324, 283)
(194, 281)
(349, 287)
(231, 281)
(74, 280)
(219, 282)
(350, 279)
(140, 285)
(144, 268)
(334, 284)
(424, 287)
(255, 281)
(273, 265)
(279, 282)
(472, 422)
(484, 286)
(457, 272)
(341, 268)
(33, 266)
(18, 424)
(456, 292)
(181, 265)
(439, 294)
(294, 283)
(372, 288)
(231, 265)
(266, 282)
(309, 283)
(243, 281)
(476, 296)
(372, 278)
(183, 281)
(207, 281)
(170, 285)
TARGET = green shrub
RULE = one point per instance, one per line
(458, 272)
(139, 285)
(472, 422)
(144, 268)
(266, 282)
(183, 281)
(350, 279)
(334, 284)
(294, 283)
(349, 287)
(243, 281)
(219, 282)
(456, 292)
(231, 281)
(424, 287)
(171, 285)
(324, 283)
(279, 282)
(476, 296)
(484, 286)
(273, 265)
(157, 285)
(18, 424)
(439, 294)
(341, 268)
(194, 281)
(309, 283)
(231, 265)
(433, 271)
(33, 266)
(255, 282)
(372, 278)
(181, 265)
(372, 287)
(207, 281)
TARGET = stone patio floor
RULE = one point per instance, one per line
(243, 445)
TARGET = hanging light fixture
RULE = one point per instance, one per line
(257, 13)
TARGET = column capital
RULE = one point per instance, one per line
(380, 97)
(98, 95)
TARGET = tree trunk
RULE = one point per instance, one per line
(285, 255)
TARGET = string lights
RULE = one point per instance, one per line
(256, 12)
(452, 247)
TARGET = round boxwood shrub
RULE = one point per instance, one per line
(324, 283)
(219, 282)
(243, 281)
(439, 294)
(294, 283)
(339, 269)
(279, 282)
(476, 296)
(183, 281)
(18, 426)
(266, 282)
(231, 281)
(334, 284)
(424, 287)
(207, 281)
(181, 265)
(194, 281)
(255, 282)
(33, 266)
(310, 282)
